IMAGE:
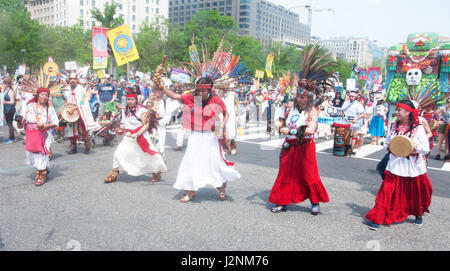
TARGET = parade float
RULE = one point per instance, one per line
(420, 64)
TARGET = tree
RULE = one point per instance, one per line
(151, 47)
(107, 17)
(208, 28)
(19, 32)
(68, 44)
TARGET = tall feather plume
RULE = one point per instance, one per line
(314, 67)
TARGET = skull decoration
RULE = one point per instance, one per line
(413, 77)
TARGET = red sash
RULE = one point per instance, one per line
(35, 139)
(142, 142)
(228, 163)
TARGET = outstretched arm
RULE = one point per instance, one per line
(171, 94)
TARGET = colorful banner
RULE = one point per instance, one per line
(269, 63)
(259, 74)
(99, 42)
(179, 76)
(193, 54)
(374, 75)
(363, 75)
(123, 45)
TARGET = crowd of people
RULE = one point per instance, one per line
(213, 118)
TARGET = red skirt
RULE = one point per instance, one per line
(298, 177)
(400, 197)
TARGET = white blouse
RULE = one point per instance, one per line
(33, 114)
(130, 122)
(411, 166)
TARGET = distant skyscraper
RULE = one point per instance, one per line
(257, 18)
(71, 12)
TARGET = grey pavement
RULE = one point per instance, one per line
(75, 210)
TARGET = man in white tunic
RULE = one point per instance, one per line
(76, 94)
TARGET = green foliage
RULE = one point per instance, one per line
(18, 32)
(107, 17)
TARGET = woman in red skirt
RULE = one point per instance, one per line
(298, 177)
(406, 189)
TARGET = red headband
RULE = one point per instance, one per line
(411, 110)
(39, 90)
(207, 86)
(131, 95)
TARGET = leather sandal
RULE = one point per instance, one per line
(42, 178)
(279, 209)
(222, 194)
(112, 177)
(188, 196)
(156, 178)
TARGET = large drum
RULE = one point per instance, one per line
(401, 146)
(67, 115)
(342, 136)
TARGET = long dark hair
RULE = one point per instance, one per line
(309, 86)
(410, 117)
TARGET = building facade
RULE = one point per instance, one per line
(260, 19)
(71, 12)
(351, 49)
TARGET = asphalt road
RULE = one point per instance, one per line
(75, 210)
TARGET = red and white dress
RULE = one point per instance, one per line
(298, 177)
(203, 162)
(137, 156)
(406, 189)
(33, 115)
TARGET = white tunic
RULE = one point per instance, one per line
(38, 160)
(411, 166)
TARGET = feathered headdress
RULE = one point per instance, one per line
(32, 84)
(224, 68)
(425, 96)
(313, 69)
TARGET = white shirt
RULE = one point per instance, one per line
(352, 109)
(411, 166)
(296, 120)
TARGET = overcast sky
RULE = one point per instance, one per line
(387, 21)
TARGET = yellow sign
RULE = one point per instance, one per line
(269, 66)
(259, 74)
(51, 68)
(101, 74)
(123, 45)
(100, 63)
